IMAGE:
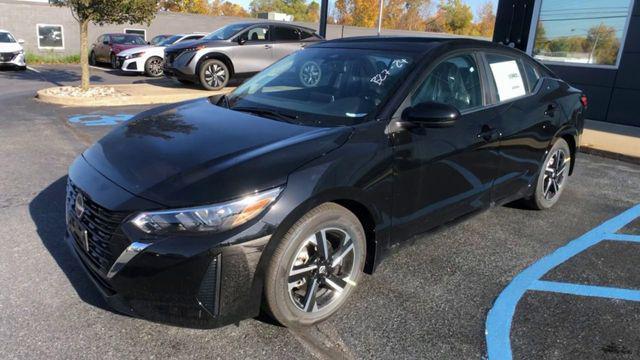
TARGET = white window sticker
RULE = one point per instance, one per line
(508, 79)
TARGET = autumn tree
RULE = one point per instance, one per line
(105, 12)
(486, 20)
(343, 12)
(187, 6)
(300, 9)
(602, 44)
(226, 8)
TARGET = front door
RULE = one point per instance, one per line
(255, 51)
(445, 173)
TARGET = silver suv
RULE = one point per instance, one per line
(237, 49)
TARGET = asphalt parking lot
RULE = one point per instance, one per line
(429, 300)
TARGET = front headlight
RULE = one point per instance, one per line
(214, 218)
(19, 52)
(135, 55)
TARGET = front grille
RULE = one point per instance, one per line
(102, 242)
(6, 56)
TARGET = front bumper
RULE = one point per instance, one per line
(12, 59)
(181, 66)
(131, 65)
(192, 281)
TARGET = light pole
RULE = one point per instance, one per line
(380, 17)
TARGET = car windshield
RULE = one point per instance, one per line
(324, 86)
(127, 39)
(170, 40)
(226, 32)
(5, 37)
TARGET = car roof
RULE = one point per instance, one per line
(417, 44)
(5, 31)
(117, 34)
(271, 22)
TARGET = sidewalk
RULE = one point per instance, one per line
(612, 140)
(160, 92)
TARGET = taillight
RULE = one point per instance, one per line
(584, 101)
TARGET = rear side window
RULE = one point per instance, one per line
(454, 81)
(308, 35)
(508, 76)
(282, 33)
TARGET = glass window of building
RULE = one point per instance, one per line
(581, 31)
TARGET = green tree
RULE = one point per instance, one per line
(300, 9)
(486, 20)
(457, 17)
(105, 12)
(602, 44)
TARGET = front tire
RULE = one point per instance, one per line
(92, 59)
(315, 266)
(153, 66)
(213, 74)
(552, 178)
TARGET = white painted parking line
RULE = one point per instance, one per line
(98, 68)
(33, 69)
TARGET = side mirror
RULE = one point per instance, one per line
(20, 41)
(431, 114)
(241, 40)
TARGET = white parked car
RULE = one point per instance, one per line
(11, 51)
(149, 59)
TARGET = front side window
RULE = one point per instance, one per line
(258, 33)
(169, 40)
(586, 32)
(455, 81)
(283, 33)
(5, 37)
(507, 76)
(325, 86)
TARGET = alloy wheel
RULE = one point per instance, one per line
(555, 174)
(322, 269)
(310, 74)
(215, 75)
(155, 67)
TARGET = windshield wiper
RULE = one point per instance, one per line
(274, 114)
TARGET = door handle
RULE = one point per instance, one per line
(487, 133)
(551, 110)
(267, 46)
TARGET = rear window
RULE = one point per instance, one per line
(127, 39)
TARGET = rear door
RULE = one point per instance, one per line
(256, 51)
(286, 40)
(445, 173)
(528, 119)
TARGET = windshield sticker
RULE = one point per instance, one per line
(380, 78)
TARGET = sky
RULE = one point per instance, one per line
(475, 4)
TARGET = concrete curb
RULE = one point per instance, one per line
(134, 94)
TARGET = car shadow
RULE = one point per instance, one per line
(47, 213)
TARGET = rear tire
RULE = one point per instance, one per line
(552, 178)
(305, 284)
(213, 74)
(153, 66)
(114, 61)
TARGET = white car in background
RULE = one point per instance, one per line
(11, 51)
(149, 59)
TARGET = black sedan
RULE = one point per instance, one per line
(282, 193)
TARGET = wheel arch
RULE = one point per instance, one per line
(570, 135)
(218, 56)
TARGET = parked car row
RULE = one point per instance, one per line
(11, 51)
(210, 60)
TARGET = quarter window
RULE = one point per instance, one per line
(455, 81)
(532, 75)
(507, 76)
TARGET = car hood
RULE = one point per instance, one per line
(189, 44)
(10, 47)
(117, 48)
(196, 153)
(140, 48)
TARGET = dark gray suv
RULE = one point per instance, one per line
(242, 48)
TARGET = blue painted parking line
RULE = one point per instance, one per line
(99, 120)
(498, 325)
(586, 290)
